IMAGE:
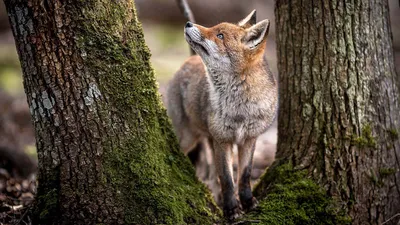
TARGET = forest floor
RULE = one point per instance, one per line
(16, 198)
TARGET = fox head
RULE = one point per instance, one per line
(228, 46)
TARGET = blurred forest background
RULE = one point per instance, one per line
(163, 28)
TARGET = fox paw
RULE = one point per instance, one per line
(233, 214)
(249, 204)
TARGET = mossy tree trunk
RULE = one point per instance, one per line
(339, 112)
(106, 150)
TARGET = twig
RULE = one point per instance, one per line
(185, 9)
(14, 207)
(246, 221)
(187, 13)
(387, 221)
(22, 217)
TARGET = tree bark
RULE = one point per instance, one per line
(106, 151)
(339, 114)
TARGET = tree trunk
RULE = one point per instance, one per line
(339, 112)
(106, 150)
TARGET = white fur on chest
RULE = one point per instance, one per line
(235, 117)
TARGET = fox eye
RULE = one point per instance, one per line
(220, 36)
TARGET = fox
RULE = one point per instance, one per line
(225, 95)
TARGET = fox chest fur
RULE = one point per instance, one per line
(241, 106)
(227, 106)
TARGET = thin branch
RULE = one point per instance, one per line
(187, 13)
(246, 221)
(387, 221)
(22, 217)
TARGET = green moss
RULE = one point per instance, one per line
(366, 139)
(288, 197)
(50, 201)
(46, 209)
(151, 180)
(375, 179)
(393, 134)
(385, 172)
(163, 188)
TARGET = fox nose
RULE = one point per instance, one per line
(189, 24)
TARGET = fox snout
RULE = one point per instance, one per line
(200, 44)
(192, 34)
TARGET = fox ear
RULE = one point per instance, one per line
(256, 34)
(250, 20)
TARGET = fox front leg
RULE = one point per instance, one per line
(223, 166)
(246, 151)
